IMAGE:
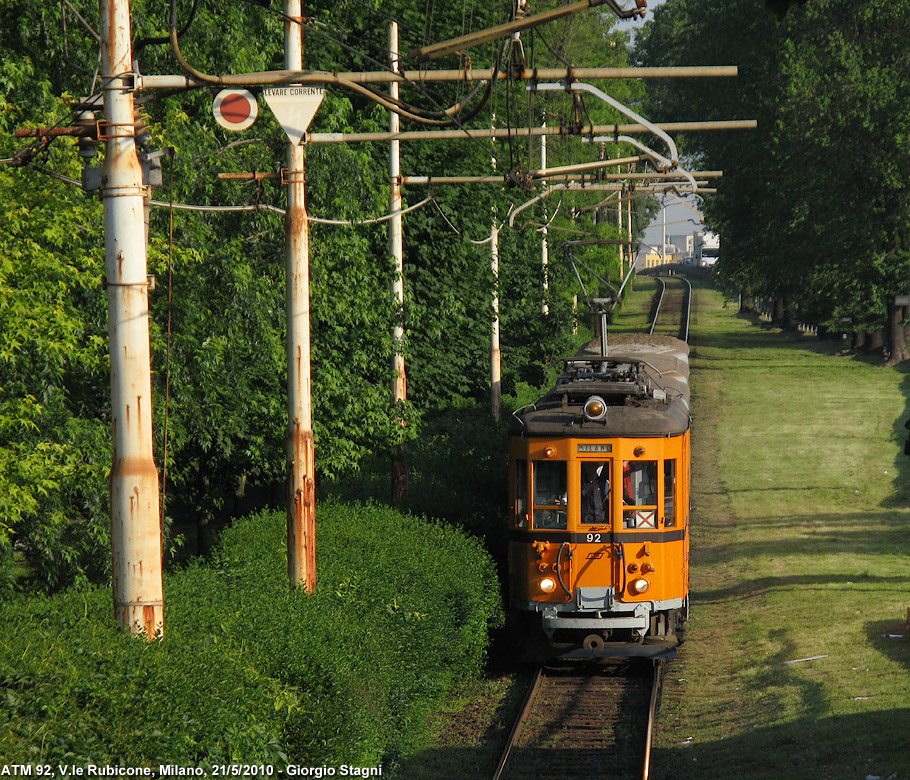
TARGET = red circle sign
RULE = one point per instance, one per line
(235, 109)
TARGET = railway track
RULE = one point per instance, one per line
(585, 720)
(671, 315)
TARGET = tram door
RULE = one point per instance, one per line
(591, 560)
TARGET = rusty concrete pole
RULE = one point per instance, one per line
(135, 525)
(495, 354)
(396, 249)
(301, 508)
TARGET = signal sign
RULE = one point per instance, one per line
(235, 109)
(294, 107)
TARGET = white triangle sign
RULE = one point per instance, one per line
(294, 107)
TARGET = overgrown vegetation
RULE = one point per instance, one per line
(249, 670)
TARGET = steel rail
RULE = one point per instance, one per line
(688, 311)
(629, 761)
(519, 723)
(652, 715)
(685, 309)
(660, 300)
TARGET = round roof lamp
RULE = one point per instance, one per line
(595, 408)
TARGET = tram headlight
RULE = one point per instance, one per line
(595, 408)
(639, 586)
(548, 584)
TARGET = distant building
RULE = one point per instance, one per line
(684, 243)
(653, 259)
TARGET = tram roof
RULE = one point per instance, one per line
(644, 381)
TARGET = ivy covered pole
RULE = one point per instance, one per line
(396, 249)
(135, 525)
(301, 506)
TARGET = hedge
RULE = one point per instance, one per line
(250, 670)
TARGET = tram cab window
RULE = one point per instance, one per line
(639, 490)
(550, 483)
(669, 493)
(595, 492)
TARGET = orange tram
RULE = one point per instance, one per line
(599, 490)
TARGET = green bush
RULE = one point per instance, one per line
(248, 669)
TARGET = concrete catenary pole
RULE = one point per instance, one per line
(301, 509)
(631, 251)
(544, 245)
(135, 524)
(619, 225)
(495, 353)
(396, 249)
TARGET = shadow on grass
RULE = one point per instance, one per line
(763, 334)
(892, 640)
(810, 748)
(755, 588)
(823, 535)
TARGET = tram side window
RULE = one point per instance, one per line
(639, 490)
(521, 492)
(669, 493)
(550, 483)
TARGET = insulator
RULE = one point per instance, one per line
(143, 136)
(88, 143)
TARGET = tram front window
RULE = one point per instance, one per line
(639, 490)
(550, 493)
(595, 492)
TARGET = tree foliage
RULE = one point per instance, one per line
(813, 209)
(218, 310)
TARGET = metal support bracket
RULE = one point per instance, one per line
(575, 86)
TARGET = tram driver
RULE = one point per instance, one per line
(595, 492)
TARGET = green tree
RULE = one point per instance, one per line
(53, 357)
(218, 307)
(812, 208)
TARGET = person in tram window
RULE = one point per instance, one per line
(595, 488)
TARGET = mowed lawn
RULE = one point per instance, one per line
(800, 562)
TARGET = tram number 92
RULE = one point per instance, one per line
(596, 538)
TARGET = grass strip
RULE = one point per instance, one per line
(799, 562)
